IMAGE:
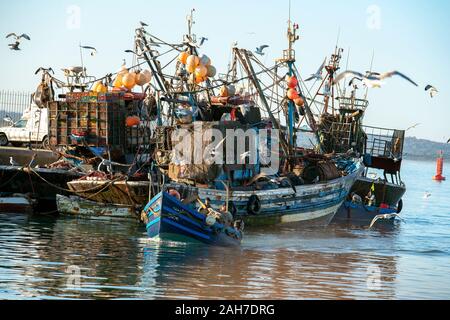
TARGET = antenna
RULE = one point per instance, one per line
(371, 69)
(346, 68)
(338, 36)
(81, 56)
(289, 10)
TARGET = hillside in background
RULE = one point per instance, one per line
(421, 149)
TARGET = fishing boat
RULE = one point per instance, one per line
(16, 203)
(373, 196)
(77, 207)
(296, 205)
(167, 216)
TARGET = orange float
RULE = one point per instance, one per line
(292, 94)
(299, 102)
(201, 71)
(292, 82)
(192, 62)
(133, 121)
(129, 80)
(183, 57)
(224, 91)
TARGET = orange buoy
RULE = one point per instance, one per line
(192, 62)
(183, 57)
(224, 91)
(439, 168)
(292, 82)
(132, 121)
(143, 78)
(201, 71)
(292, 94)
(129, 80)
(299, 102)
(118, 82)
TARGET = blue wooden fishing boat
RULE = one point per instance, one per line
(166, 216)
(361, 215)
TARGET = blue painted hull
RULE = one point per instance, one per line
(168, 217)
(361, 215)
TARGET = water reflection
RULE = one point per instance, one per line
(217, 273)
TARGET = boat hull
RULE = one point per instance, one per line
(16, 204)
(169, 218)
(43, 184)
(129, 193)
(85, 209)
(306, 205)
(360, 215)
(385, 192)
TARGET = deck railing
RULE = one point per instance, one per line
(13, 104)
(386, 143)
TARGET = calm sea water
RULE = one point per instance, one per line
(41, 258)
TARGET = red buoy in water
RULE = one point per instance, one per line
(440, 168)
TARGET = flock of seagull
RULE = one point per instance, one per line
(369, 79)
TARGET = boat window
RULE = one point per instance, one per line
(21, 124)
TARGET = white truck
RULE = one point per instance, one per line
(32, 128)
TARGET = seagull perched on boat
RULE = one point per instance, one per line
(107, 164)
(16, 44)
(318, 74)
(202, 40)
(93, 50)
(433, 91)
(371, 79)
(260, 49)
(13, 162)
(387, 216)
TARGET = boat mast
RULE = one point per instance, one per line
(246, 63)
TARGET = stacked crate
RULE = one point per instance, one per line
(96, 120)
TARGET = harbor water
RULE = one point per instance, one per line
(60, 258)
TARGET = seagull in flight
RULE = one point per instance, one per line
(414, 126)
(202, 40)
(143, 24)
(448, 141)
(433, 91)
(16, 44)
(387, 216)
(371, 79)
(260, 49)
(318, 74)
(427, 195)
(93, 50)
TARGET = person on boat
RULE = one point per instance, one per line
(225, 216)
(370, 198)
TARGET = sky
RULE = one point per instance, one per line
(406, 35)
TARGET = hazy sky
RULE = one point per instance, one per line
(408, 35)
